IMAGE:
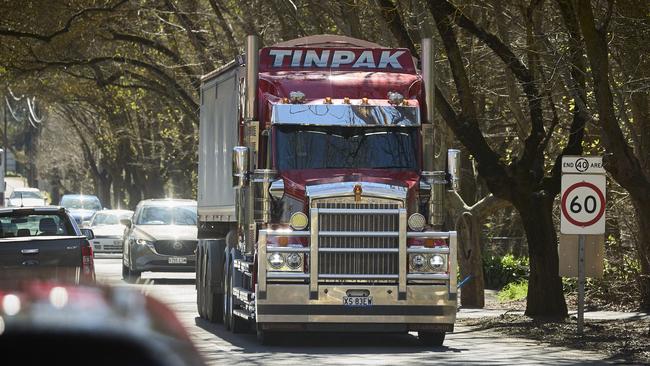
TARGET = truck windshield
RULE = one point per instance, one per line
(332, 147)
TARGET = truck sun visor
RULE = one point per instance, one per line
(345, 115)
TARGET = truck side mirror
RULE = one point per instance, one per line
(240, 166)
(453, 168)
(126, 222)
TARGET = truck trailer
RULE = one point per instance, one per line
(321, 206)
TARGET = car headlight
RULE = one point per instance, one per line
(142, 242)
(438, 263)
(416, 222)
(418, 262)
(298, 221)
(276, 260)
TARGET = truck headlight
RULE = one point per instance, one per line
(276, 260)
(294, 260)
(418, 262)
(438, 263)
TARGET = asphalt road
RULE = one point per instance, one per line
(466, 346)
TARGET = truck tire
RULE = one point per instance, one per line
(266, 338)
(226, 297)
(435, 339)
(212, 300)
(200, 302)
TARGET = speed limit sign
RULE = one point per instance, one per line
(583, 204)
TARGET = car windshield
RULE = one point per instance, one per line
(103, 218)
(167, 215)
(14, 225)
(304, 147)
(88, 203)
(26, 194)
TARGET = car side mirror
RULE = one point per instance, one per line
(88, 233)
(126, 222)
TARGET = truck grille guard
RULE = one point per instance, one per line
(322, 247)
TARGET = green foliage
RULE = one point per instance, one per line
(514, 291)
(502, 270)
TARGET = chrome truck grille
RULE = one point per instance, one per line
(346, 231)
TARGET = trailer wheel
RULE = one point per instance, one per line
(435, 339)
(200, 302)
(212, 302)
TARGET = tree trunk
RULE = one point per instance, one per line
(545, 294)
(643, 249)
(470, 261)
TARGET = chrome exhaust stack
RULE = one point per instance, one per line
(252, 71)
(429, 94)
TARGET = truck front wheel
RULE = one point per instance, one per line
(213, 302)
(435, 339)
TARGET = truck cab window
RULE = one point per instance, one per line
(332, 147)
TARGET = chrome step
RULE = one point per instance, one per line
(242, 294)
(242, 314)
(243, 266)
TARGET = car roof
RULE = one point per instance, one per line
(36, 209)
(80, 196)
(26, 189)
(109, 316)
(113, 211)
(165, 202)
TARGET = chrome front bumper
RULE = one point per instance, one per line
(413, 301)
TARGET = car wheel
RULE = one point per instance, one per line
(129, 275)
(435, 339)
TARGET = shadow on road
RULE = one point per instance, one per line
(324, 343)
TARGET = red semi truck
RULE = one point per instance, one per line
(320, 205)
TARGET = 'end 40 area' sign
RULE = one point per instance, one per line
(583, 195)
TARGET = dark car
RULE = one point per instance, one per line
(44, 323)
(161, 237)
(81, 206)
(44, 243)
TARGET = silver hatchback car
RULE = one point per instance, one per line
(161, 237)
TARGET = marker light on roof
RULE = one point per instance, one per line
(328, 100)
(395, 98)
(297, 97)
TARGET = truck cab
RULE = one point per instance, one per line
(335, 219)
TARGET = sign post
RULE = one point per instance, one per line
(583, 205)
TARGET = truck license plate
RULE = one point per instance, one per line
(357, 300)
(177, 260)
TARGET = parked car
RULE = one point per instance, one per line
(48, 323)
(81, 206)
(161, 237)
(108, 230)
(26, 197)
(44, 243)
